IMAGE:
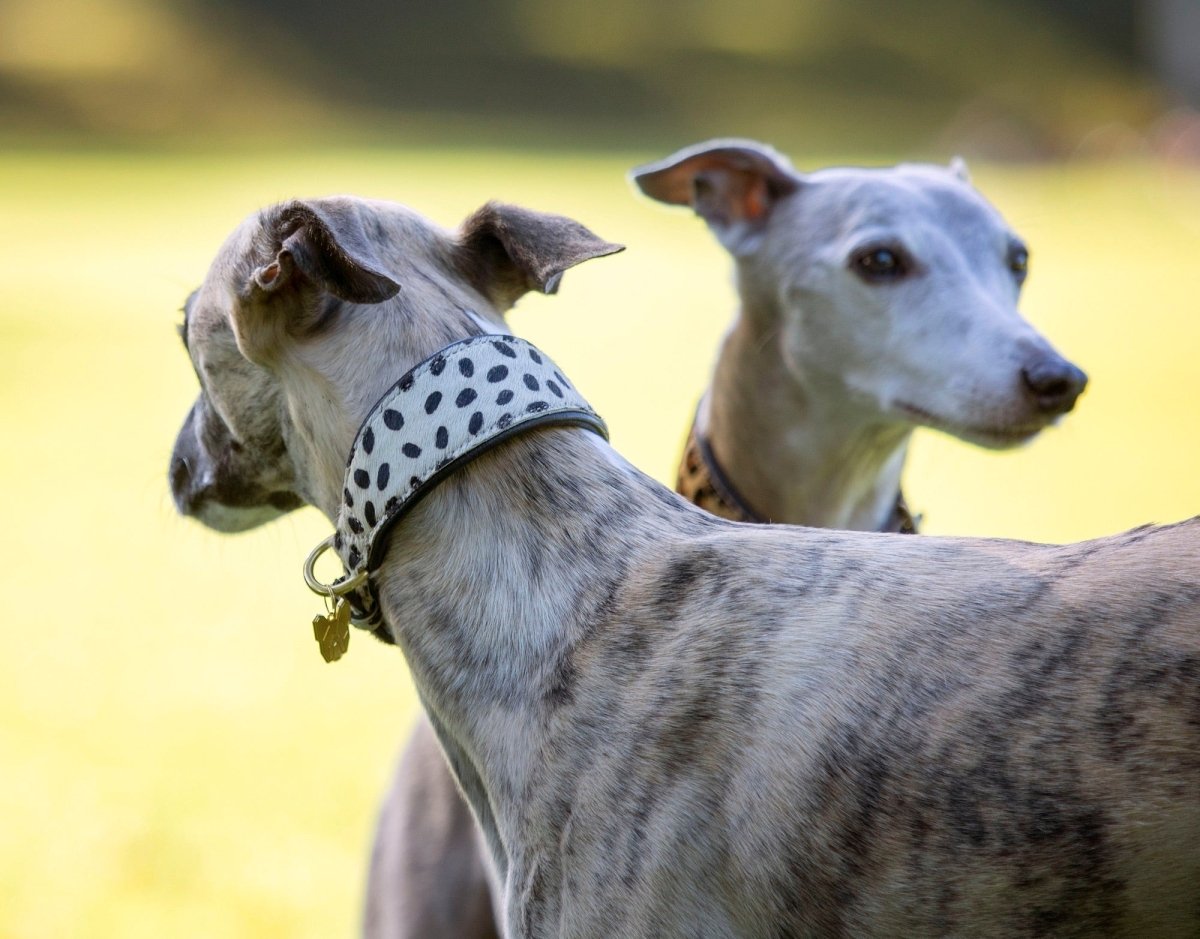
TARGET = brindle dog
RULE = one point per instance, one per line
(806, 420)
(677, 725)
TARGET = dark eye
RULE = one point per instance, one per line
(1018, 262)
(879, 263)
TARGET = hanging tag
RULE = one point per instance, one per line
(332, 631)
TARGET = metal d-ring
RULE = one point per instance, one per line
(337, 588)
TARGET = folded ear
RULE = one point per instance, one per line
(322, 244)
(732, 184)
(506, 251)
(320, 248)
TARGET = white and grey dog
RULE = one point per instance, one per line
(869, 303)
(669, 724)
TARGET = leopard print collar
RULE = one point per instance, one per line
(446, 411)
(702, 481)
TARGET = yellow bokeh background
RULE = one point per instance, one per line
(176, 759)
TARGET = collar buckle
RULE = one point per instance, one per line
(337, 589)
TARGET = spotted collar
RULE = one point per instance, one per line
(702, 481)
(446, 411)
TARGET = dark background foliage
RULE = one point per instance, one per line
(1000, 78)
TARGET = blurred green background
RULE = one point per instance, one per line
(177, 761)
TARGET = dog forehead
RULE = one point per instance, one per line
(899, 190)
(896, 196)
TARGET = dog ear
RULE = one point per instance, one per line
(506, 251)
(958, 166)
(731, 184)
(323, 244)
(321, 248)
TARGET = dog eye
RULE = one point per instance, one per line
(1018, 262)
(879, 263)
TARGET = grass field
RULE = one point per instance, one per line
(177, 761)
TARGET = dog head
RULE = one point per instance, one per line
(310, 311)
(898, 286)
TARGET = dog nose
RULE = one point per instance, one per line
(1055, 384)
(182, 491)
(180, 473)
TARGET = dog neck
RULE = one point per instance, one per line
(442, 414)
(797, 453)
(491, 582)
(498, 556)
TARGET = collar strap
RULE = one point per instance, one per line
(457, 404)
(702, 481)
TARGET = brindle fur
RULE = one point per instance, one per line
(668, 724)
(802, 406)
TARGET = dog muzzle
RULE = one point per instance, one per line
(457, 404)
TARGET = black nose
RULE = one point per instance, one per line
(1055, 384)
(180, 473)
(181, 478)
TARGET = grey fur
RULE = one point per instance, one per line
(810, 441)
(823, 375)
(671, 725)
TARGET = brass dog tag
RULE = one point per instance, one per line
(332, 631)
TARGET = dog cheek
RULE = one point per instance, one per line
(795, 346)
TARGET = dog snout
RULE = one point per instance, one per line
(180, 475)
(189, 487)
(186, 468)
(1054, 383)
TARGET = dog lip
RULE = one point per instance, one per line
(284, 501)
(194, 501)
(991, 436)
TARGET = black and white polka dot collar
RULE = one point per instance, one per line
(446, 411)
